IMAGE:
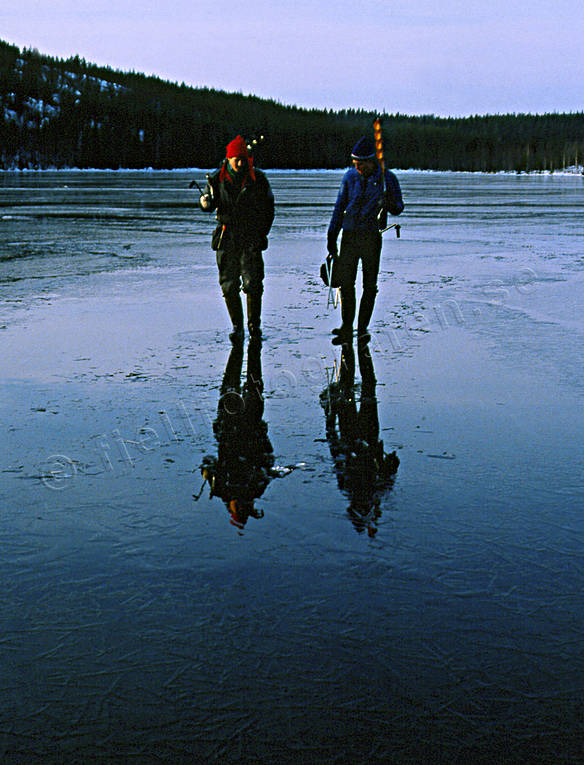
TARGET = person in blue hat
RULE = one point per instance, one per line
(365, 196)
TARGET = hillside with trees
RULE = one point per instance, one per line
(57, 113)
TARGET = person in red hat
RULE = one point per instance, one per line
(242, 198)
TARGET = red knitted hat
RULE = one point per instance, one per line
(237, 148)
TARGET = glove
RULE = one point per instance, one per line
(332, 245)
(390, 203)
(328, 267)
(205, 201)
(324, 270)
(254, 241)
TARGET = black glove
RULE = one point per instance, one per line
(390, 204)
(332, 245)
(258, 243)
(324, 270)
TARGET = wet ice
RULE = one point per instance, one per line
(138, 621)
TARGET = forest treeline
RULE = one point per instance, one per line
(69, 113)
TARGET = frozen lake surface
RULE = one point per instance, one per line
(433, 615)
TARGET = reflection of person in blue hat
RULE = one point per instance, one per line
(365, 196)
(244, 464)
(364, 471)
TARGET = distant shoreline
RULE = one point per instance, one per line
(570, 171)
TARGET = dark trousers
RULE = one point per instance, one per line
(240, 267)
(366, 247)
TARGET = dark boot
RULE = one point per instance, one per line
(365, 313)
(347, 368)
(344, 334)
(254, 314)
(235, 310)
(368, 381)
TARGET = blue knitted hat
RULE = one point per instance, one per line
(363, 149)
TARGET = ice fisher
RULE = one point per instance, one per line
(368, 191)
(243, 199)
(364, 470)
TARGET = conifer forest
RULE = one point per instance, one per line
(57, 113)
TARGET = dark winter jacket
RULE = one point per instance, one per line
(245, 214)
(360, 200)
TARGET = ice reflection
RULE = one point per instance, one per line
(364, 471)
(243, 467)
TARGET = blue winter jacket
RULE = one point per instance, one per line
(360, 199)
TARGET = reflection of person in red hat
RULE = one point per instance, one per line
(242, 198)
(244, 465)
(241, 511)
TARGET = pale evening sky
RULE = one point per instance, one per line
(451, 58)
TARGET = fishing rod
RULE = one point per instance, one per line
(253, 143)
(379, 148)
(396, 226)
(194, 183)
(378, 137)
